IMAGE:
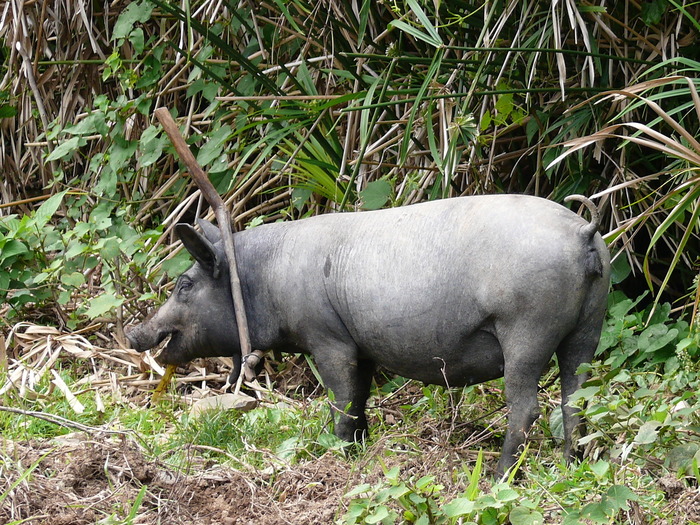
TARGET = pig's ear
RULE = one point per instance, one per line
(200, 247)
(210, 231)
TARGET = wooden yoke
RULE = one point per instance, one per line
(224, 221)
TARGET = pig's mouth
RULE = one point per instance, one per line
(167, 347)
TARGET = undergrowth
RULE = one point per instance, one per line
(432, 451)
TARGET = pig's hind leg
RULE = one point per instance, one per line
(526, 356)
(577, 348)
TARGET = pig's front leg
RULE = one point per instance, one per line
(349, 379)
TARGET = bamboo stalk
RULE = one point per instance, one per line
(224, 220)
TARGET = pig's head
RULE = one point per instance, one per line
(198, 316)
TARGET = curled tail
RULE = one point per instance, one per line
(592, 227)
(594, 266)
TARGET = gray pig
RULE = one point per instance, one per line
(451, 292)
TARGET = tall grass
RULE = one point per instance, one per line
(302, 107)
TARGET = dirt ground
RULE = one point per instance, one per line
(84, 481)
(80, 480)
(97, 478)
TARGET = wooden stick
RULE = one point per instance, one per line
(222, 218)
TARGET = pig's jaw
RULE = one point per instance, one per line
(173, 353)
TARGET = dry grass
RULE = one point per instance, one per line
(328, 99)
(57, 52)
(34, 353)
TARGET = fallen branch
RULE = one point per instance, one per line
(67, 423)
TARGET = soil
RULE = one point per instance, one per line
(81, 479)
(80, 482)
(90, 478)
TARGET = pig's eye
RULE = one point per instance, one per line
(184, 285)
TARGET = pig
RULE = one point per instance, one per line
(451, 292)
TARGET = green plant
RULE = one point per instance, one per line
(282, 435)
(415, 499)
(55, 262)
(644, 397)
(113, 519)
(666, 202)
(421, 501)
(613, 498)
(292, 113)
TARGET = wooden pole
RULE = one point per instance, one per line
(224, 221)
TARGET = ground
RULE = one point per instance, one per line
(106, 475)
(82, 480)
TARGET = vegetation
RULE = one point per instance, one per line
(297, 108)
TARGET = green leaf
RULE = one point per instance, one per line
(423, 520)
(434, 37)
(133, 13)
(378, 515)
(151, 146)
(459, 507)
(507, 495)
(556, 423)
(572, 518)
(652, 11)
(600, 468)
(203, 86)
(414, 32)
(47, 210)
(100, 218)
(121, 153)
(620, 308)
(425, 482)
(93, 123)
(504, 106)
(11, 248)
(74, 279)
(288, 449)
(619, 495)
(137, 40)
(331, 441)
(41, 277)
(359, 489)
(656, 337)
(214, 147)
(647, 433)
(595, 512)
(75, 248)
(7, 111)
(619, 269)
(177, 264)
(393, 474)
(585, 393)
(397, 491)
(110, 248)
(376, 194)
(102, 304)
(525, 516)
(66, 149)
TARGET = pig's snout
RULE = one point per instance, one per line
(141, 338)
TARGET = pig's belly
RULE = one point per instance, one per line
(474, 359)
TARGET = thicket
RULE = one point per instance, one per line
(297, 108)
(300, 108)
